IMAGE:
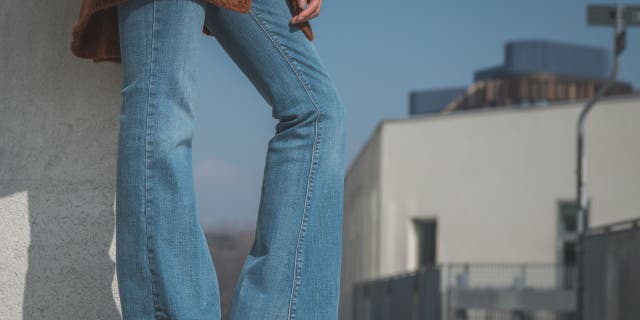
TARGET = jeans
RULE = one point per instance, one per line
(163, 265)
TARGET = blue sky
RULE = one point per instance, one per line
(376, 53)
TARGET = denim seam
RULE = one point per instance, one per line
(146, 162)
(288, 58)
(314, 163)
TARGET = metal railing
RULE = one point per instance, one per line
(611, 264)
(487, 291)
(408, 296)
(469, 291)
(509, 275)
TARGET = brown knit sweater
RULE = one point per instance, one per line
(95, 34)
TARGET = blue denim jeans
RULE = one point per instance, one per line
(164, 269)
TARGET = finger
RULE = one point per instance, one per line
(301, 4)
(305, 14)
(315, 14)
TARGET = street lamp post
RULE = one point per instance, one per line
(617, 16)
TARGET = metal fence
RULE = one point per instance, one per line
(470, 291)
(612, 266)
(499, 291)
(408, 296)
(530, 291)
(509, 275)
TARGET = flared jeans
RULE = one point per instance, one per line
(164, 268)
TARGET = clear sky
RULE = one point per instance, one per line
(377, 52)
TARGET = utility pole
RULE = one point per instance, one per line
(618, 16)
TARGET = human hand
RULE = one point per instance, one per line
(308, 13)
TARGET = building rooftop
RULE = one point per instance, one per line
(543, 56)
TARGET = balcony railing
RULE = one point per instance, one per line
(467, 291)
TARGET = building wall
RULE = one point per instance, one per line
(58, 134)
(493, 180)
(362, 187)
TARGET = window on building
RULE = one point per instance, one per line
(427, 241)
(567, 228)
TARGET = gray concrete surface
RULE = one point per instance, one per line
(58, 138)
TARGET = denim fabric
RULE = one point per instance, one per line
(164, 268)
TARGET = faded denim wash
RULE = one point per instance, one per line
(164, 268)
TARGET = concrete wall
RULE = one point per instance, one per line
(58, 135)
(362, 186)
(493, 180)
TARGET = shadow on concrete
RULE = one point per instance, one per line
(58, 124)
(70, 273)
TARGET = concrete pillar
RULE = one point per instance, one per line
(58, 139)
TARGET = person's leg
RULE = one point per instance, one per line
(293, 269)
(164, 268)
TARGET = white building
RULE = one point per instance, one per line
(493, 185)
